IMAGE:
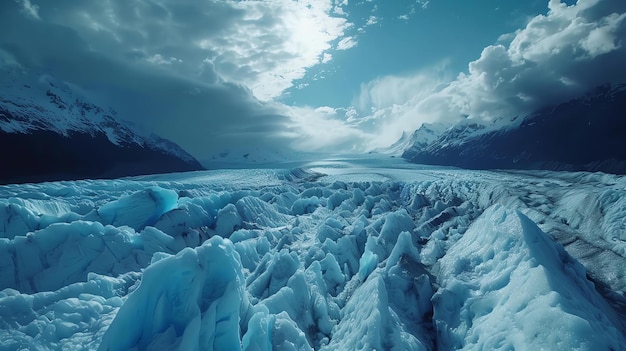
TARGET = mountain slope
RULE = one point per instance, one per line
(422, 137)
(49, 131)
(583, 134)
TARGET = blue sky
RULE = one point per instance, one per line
(406, 37)
(315, 75)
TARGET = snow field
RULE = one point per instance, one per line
(451, 260)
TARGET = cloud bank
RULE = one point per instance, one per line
(558, 56)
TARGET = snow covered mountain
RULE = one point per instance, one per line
(426, 134)
(58, 133)
(384, 255)
(583, 134)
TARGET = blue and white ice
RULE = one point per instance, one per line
(518, 290)
(334, 256)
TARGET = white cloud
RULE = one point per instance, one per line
(275, 56)
(346, 43)
(602, 40)
(326, 57)
(372, 20)
(324, 129)
(339, 5)
(408, 15)
(384, 92)
(389, 105)
(556, 57)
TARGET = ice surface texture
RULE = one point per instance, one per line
(361, 259)
(512, 282)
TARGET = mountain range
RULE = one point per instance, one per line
(584, 134)
(49, 130)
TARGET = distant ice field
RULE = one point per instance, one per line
(348, 253)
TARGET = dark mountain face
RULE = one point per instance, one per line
(50, 132)
(46, 156)
(584, 134)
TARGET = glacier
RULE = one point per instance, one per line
(370, 253)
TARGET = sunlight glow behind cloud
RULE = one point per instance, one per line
(265, 45)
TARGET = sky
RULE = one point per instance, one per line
(337, 76)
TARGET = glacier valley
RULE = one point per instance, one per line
(342, 254)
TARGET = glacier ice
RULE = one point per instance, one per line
(510, 281)
(357, 256)
(139, 209)
(189, 301)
